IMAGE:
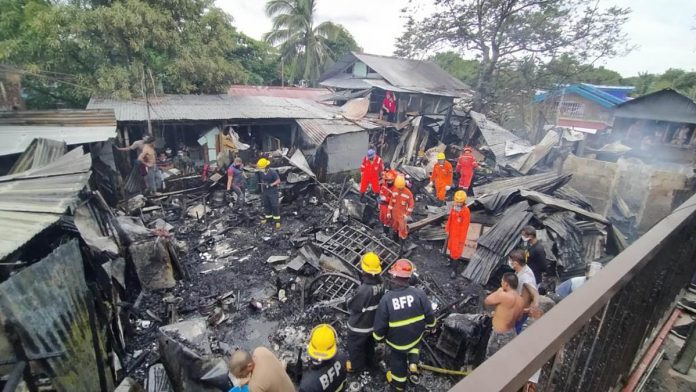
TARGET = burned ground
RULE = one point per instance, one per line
(242, 275)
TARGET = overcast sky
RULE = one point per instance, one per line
(662, 29)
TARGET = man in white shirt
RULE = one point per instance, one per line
(527, 285)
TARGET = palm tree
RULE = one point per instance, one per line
(298, 38)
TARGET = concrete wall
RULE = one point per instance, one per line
(345, 151)
(648, 191)
(658, 202)
(594, 179)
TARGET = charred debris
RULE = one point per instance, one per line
(156, 291)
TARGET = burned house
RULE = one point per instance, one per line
(260, 124)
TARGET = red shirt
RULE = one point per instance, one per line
(390, 104)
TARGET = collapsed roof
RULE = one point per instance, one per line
(359, 71)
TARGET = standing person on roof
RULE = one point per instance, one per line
(400, 208)
(457, 228)
(326, 372)
(149, 162)
(236, 180)
(442, 176)
(534, 252)
(370, 170)
(385, 195)
(403, 314)
(465, 167)
(362, 307)
(270, 192)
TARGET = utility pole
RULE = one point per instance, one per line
(282, 71)
(147, 104)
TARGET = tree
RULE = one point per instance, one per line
(299, 40)
(71, 50)
(502, 32)
(342, 43)
(464, 70)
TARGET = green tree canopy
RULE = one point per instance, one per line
(306, 46)
(69, 51)
(499, 33)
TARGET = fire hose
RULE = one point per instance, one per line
(439, 370)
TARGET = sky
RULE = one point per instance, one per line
(663, 31)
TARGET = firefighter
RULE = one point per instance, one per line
(400, 208)
(270, 192)
(465, 167)
(370, 170)
(403, 314)
(385, 194)
(362, 307)
(326, 372)
(457, 228)
(442, 176)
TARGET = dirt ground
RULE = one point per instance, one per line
(282, 326)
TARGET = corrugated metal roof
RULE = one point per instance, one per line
(495, 137)
(213, 107)
(317, 130)
(33, 200)
(18, 129)
(39, 153)
(313, 94)
(665, 105)
(47, 303)
(414, 75)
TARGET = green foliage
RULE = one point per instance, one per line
(306, 48)
(69, 51)
(465, 70)
(521, 33)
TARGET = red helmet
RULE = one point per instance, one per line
(390, 176)
(403, 268)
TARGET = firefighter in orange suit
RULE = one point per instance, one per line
(385, 194)
(370, 170)
(457, 228)
(465, 167)
(442, 176)
(400, 207)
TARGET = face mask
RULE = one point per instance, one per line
(510, 264)
(457, 208)
(525, 239)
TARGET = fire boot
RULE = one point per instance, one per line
(385, 229)
(455, 269)
(413, 373)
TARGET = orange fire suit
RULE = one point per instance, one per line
(465, 167)
(457, 228)
(369, 173)
(441, 179)
(400, 207)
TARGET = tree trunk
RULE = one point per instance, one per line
(483, 87)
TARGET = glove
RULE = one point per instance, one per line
(243, 388)
(389, 216)
(430, 183)
(448, 187)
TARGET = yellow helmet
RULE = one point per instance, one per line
(262, 163)
(440, 156)
(460, 197)
(322, 342)
(370, 263)
(400, 182)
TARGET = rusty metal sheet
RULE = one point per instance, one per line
(46, 303)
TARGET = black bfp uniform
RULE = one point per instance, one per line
(270, 195)
(362, 307)
(329, 376)
(402, 316)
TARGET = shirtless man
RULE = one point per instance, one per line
(508, 309)
(147, 158)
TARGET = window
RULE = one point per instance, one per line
(572, 109)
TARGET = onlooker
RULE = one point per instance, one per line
(545, 304)
(137, 145)
(388, 109)
(260, 371)
(236, 180)
(564, 289)
(527, 286)
(148, 161)
(508, 309)
(534, 252)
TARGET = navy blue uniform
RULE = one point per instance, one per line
(402, 316)
(329, 377)
(270, 195)
(362, 307)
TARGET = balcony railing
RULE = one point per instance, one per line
(591, 340)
